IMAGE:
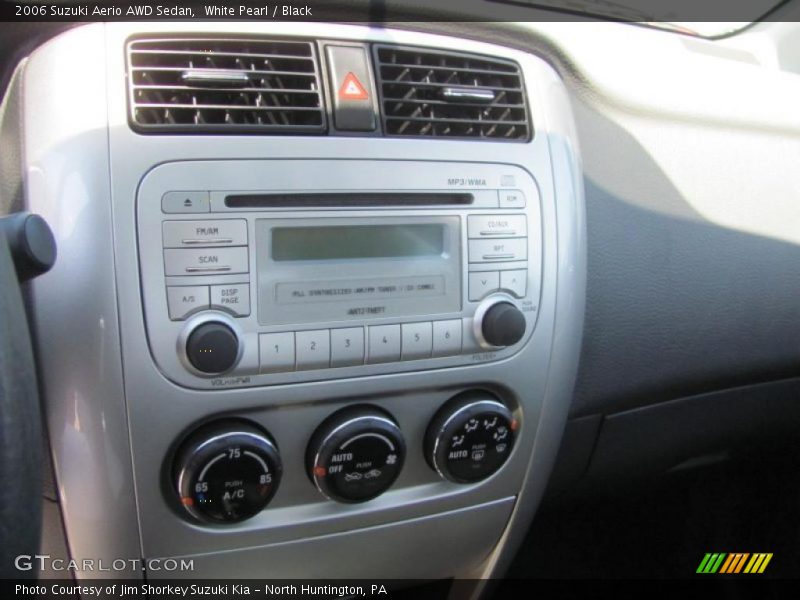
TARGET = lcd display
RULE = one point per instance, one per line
(357, 241)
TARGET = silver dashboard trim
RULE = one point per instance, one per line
(130, 413)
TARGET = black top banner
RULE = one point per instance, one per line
(737, 12)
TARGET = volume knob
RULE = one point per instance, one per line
(503, 324)
(212, 347)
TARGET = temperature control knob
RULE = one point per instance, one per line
(226, 472)
(499, 323)
(355, 454)
(470, 437)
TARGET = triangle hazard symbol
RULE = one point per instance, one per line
(352, 89)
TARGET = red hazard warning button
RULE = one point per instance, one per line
(352, 89)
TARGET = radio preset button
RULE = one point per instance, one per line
(192, 234)
(498, 250)
(205, 261)
(277, 352)
(347, 347)
(185, 300)
(384, 343)
(482, 283)
(515, 282)
(487, 226)
(185, 202)
(313, 349)
(233, 298)
(417, 341)
(447, 337)
(512, 199)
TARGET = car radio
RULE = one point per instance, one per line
(264, 272)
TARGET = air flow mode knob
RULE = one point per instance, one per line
(470, 437)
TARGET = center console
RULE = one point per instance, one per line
(357, 332)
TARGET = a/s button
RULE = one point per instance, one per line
(184, 300)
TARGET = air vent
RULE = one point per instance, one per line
(205, 85)
(441, 94)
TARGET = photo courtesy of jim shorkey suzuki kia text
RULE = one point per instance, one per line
(194, 589)
(101, 11)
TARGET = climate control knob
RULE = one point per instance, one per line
(226, 472)
(470, 437)
(499, 323)
(355, 454)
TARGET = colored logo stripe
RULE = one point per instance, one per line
(722, 562)
(758, 563)
(735, 563)
(711, 563)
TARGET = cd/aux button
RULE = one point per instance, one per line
(233, 298)
(486, 226)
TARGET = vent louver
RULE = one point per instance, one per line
(431, 93)
(194, 85)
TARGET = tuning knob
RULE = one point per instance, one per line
(499, 323)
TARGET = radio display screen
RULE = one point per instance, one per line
(357, 241)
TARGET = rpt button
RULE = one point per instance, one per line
(188, 234)
(205, 261)
(233, 298)
(510, 249)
